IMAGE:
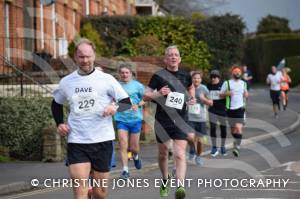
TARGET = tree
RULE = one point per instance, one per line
(273, 24)
(187, 7)
(224, 37)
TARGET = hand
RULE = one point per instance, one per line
(110, 110)
(63, 129)
(135, 107)
(192, 101)
(164, 90)
(210, 102)
(229, 93)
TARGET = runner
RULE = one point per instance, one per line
(235, 91)
(217, 113)
(90, 94)
(274, 79)
(198, 117)
(247, 76)
(129, 123)
(168, 89)
(284, 87)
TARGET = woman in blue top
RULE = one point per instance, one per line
(129, 123)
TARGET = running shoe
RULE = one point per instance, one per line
(223, 151)
(180, 193)
(214, 151)
(204, 139)
(129, 155)
(164, 191)
(173, 174)
(137, 162)
(124, 175)
(199, 160)
(192, 154)
(236, 151)
(170, 155)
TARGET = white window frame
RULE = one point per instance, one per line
(42, 25)
(7, 33)
(54, 29)
(74, 23)
(87, 7)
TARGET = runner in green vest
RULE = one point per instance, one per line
(235, 92)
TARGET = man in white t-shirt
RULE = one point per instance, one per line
(90, 94)
(235, 92)
(274, 80)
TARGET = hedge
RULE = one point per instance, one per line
(114, 30)
(273, 24)
(224, 37)
(266, 50)
(219, 38)
(22, 121)
(294, 64)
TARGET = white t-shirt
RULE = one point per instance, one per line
(238, 88)
(274, 81)
(88, 96)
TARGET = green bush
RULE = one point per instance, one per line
(266, 50)
(224, 37)
(144, 45)
(114, 30)
(179, 31)
(71, 47)
(273, 24)
(87, 31)
(139, 36)
(202, 41)
(196, 55)
(294, 64)
(22, 121)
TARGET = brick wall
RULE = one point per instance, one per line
(67, 24)
(16, 24)
(146, 67)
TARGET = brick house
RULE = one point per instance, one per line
(48, 25)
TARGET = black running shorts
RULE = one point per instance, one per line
(275, 96)
(98, 154)
(176, 130)
(236, 116)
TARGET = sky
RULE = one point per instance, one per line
(252, 11)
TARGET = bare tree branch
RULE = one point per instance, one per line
(187, 7)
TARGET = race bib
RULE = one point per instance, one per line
(284, 84)
(214, 95)
(85, 103)
(194, 109)
(175, 100)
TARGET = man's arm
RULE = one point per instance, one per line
(123, 105)
(205, 100)
(58, 115)
(151, 95)
(224, 92)
(57, 112)
(268, 80)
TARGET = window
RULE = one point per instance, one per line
(87, 7)
(74, 23)
(7, 33)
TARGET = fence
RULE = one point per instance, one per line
(25, 71)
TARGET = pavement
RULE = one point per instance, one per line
(17, 177)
